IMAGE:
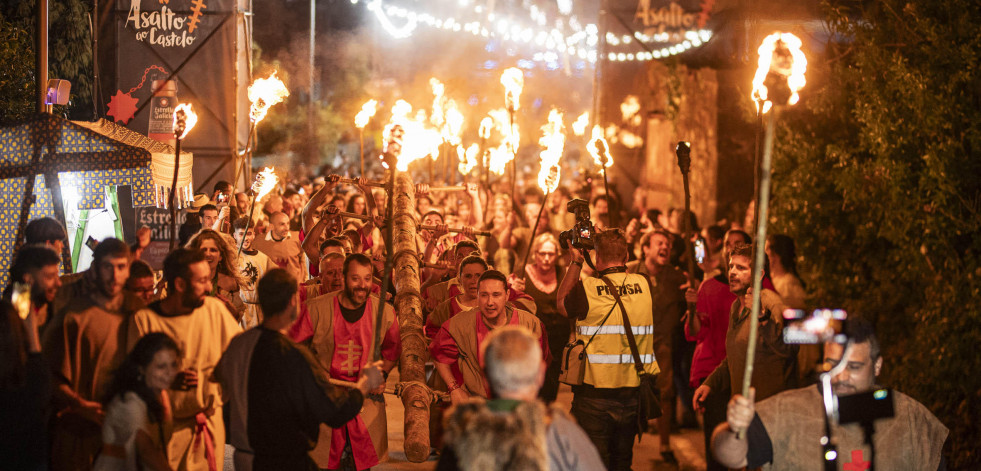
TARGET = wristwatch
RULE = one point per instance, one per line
(578, 262)
(452, 387)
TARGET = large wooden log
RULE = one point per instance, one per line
(416, 396)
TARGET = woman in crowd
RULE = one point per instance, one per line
(782, 256)
(226, 278)
(544, 274)
(137, 407)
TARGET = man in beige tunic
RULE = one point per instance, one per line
(202, 327)
(456, 347)
(343, 342)
(85, 348)
(785, 431)
(283, 247)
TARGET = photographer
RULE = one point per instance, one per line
(605, 405)
(786, 430)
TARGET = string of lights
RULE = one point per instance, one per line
(580, 41)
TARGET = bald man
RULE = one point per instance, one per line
(283, 247)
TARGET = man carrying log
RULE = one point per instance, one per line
(343, 342)
(459, 338)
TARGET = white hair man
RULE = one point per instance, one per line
(513, 430)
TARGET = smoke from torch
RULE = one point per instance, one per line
(264, 93)
(780, 73)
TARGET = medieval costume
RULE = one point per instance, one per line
(199, 432)
(343, 341)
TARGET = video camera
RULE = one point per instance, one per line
(823, 325)
(580, 236)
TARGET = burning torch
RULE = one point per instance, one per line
(779, 77)
(600, 150)
(360, 121)
(553, 142)
(264, 182)
(513, 81)
(184, 121)
(263, 93)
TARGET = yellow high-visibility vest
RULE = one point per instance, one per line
(609, 363)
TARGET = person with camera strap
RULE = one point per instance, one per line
(614, 323)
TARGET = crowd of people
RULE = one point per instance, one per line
(260, 332)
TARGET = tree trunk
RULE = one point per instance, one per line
(416, 396)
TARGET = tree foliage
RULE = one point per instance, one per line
(877, 180)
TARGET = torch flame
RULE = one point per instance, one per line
(454, 124)
(265, 181)
(499, 158)
(485, 127)
(553, 141)
(579, 126)
(418, 141)
(264, 93)
(368, 110)
(513, 81)
(439, 105)
(599, 148)
(184, 120)
(468, 159)
(790, 63)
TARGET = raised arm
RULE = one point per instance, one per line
(476, 207)
(309, 211)
(569, 280)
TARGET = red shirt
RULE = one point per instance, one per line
(445, 350)
(714, 301)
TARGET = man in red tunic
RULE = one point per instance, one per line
(343, 324)
(458, 341)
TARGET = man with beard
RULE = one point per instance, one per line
(85, 347)
(283, 247)
(278, 393)
(202, 327)
(775, 365)
(669, 307)
(784, 432)
(458, 340)
(254, 264)
(343, 340)
(37, 265)
(708, 330)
